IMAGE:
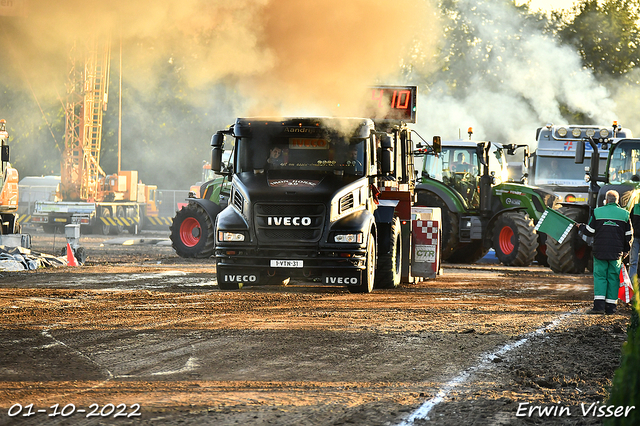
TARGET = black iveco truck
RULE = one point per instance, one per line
(316, 198)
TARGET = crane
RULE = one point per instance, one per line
(108, 204)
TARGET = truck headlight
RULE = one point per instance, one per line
(348, 238)
(230, 236)
(604, 133)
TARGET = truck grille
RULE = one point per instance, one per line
(276, 223)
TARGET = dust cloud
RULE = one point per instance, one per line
(283, 55)
(191, 67)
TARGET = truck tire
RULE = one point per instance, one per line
(100, 227)
(450, 223)
(192, 232)
(514, 239)
(573, 255)
(369, 275)
(117, 228)
(137, 225)
(469, 253)
(389, 273)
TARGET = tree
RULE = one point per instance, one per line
(606, 35)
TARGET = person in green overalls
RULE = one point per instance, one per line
(611, 229)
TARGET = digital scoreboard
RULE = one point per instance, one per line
(393, 103)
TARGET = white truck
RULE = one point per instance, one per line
(553, 168)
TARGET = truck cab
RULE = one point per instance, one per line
(553, 166)
(554, 169)
(308, 200)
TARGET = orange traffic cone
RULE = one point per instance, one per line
(71, 259)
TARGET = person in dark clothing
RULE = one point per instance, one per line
(635, 247)
(612, 232)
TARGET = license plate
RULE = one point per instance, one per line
(286, 263)
(60, 219)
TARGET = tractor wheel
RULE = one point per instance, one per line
(369, 276)
(541, 255)
(449, 224)
(389, 273)
(192, 232)
(469, 253)
(573, 254)
(514, 239)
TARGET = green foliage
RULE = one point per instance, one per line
(626, 380)
(606, 35)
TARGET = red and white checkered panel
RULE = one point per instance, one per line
(429, 230)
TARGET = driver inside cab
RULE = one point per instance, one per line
(460, 166)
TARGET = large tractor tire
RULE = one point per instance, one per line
(541, 255)
(450, 225)
(514, 239)
(573, 254)
(469, 253)
(192, 233)
(389, 273)
(369, 274)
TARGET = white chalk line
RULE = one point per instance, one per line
(46, 333)
(423, 411)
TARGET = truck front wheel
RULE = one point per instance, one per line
(192, 232)
(369, 274)
(101, 227)
(514, 240)
(389, 273)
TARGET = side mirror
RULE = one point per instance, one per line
(216, 159)
(480, 148)
(5, 153)
(387, 162)
(580, 152)
(217, 140)
(437, 144)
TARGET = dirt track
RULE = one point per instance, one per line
(137, 324)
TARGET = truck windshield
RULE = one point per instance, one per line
(327, 153)
(561, 171)
(625, 162)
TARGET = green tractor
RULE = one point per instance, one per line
(622, 172)
(192, 229)
(480, 209)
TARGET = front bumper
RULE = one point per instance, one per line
(251, 266)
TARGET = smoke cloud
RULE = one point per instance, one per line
(525, 80)
(240, 58)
